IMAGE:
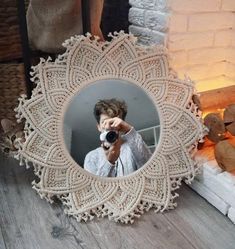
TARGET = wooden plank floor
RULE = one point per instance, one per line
(27, 222)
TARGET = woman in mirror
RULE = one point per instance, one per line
(122, 149)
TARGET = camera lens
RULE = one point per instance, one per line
(111, 136)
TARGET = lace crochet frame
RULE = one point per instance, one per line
(85, 195)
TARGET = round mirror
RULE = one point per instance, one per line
(60, 113)
(111, 128)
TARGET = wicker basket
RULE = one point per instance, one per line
(10, 47)
(12, 84)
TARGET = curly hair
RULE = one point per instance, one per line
(111, 107)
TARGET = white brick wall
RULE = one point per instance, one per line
(149, 4)
(230, 70)
(201, 71)
(230, 54)
(178, 23)
(203, 31)
(149, 19)
(228, 5)
(186, 41)
(200, 36)
(207, 55)
(147, 36)
(210, 21)
(216, 187)
(190, 6)
(224, 38)
(231, 214)
(156, 20)
(136, 16)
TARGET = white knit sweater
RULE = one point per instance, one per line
(133, 154)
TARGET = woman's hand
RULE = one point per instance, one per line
(116, 124)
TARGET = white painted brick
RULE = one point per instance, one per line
(177, 23)
(227, 177)
(145, 4)
(161, 5)
(178, 59)
(136, 16)
(230, 54)
(213, 83)
(194, 5)
(233, 38)
(220, 188)
(231, 214)
(199, 72)
(190, 40)
(228, 184)
(211, 21)
(149, 4)
(224, 37)
(212, 167)
(207, 55)
(228, 5)
(210, 196)
(230, 70)
(156, 20)
(147, 36)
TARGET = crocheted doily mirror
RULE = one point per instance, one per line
(83, 194)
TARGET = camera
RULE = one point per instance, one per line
(110, 136)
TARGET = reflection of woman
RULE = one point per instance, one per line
(127, 154)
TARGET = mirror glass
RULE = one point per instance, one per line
(111, 128)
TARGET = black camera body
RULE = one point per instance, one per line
(109, 136)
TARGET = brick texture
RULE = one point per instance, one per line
(156, 20)
(147, 36)
(211, 21)
(228, 5)
(200, 36)
(206, 55)
(203, 71)
(224, 38)
(177, 23)
(136, 16)
(194, 5)
(190, 41)
(230, 70)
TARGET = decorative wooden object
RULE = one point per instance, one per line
(221, 131)
(229, 119)
(225, 155)
(217, 99)
(216, 127)
(216, 183)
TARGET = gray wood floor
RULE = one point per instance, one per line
(27, 222)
